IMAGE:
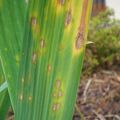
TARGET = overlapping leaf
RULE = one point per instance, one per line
(4, 97)
(12, 15)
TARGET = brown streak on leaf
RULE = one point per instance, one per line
(81, 30)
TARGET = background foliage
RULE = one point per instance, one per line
(104, 33)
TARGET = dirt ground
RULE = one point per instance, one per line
(99, 96)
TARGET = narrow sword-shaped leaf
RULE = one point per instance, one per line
(52, 56)
(12, 15)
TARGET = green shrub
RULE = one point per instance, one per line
(104, 32)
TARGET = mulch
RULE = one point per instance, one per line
(99, 96)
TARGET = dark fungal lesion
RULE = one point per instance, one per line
(34, 57)
(33, 21)
(49, 67)
(81, 31)
(42, 43)
(79, 40)
(61, 2)
(68, 17)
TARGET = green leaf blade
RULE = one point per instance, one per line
(53, 54)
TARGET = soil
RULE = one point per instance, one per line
(99, 96)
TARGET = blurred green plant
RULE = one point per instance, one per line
(104, 32)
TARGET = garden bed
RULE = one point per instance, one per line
(99, 96)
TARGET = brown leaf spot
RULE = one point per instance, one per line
(49, 68)
(42, 43)
(33, 21)
(34, 57)
(68, 18)
(58, 83)
(56, 107)
(79, 40)
(61, 2)
(30, 98)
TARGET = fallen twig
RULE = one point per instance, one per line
(86, 89)
(101, 117)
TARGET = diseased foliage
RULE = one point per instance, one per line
(45, 55)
